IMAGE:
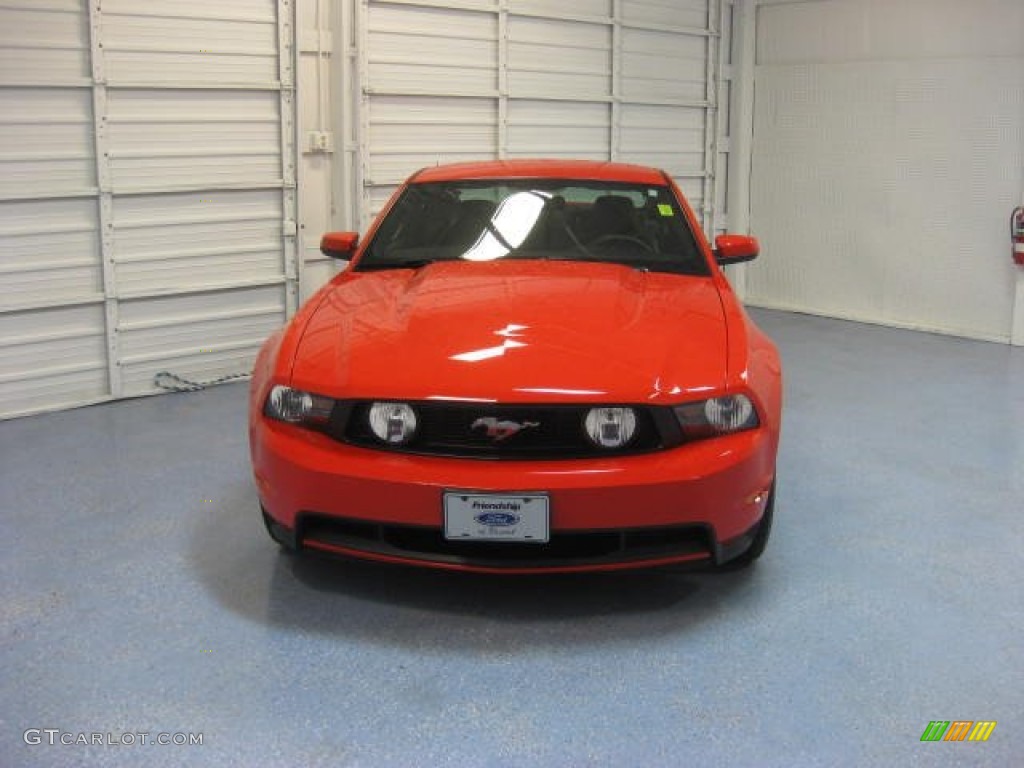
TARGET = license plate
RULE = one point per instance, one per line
(493, 517)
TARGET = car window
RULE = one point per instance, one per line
(641, 226)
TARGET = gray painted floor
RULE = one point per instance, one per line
(140, 594)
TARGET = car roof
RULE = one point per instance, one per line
(541, 169)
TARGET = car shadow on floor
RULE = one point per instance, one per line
(248, 574)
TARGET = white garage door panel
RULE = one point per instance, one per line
(622, 80)
(412, 132)
(46, 145)
(661, 66)
(53, 388)
(675, 134)
(170, 42)
(578, 8)
(667, 115)
(386, 111)
(44, 41)
(51, 358)
(145, 151)
(667, 13)
(167, 328)
(558, 129)
(559, 59)
(429, 77)
(49, 241)
(204, 334)
(414, 49)
(449, 40)
(167, 139)
(39, 24)
(197, 133)
(444, 136)
(148, 30)
(197, 241)
(597, 8)
(201, 268)
(21, 178)
(49, 253)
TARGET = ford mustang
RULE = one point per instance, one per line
(527, 366)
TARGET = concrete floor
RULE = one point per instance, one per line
(140, 594)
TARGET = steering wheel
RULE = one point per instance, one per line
(624, 238)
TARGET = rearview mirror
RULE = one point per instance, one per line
(733, 249)
(339, 245)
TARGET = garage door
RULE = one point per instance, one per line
(886, 162)
(626, 80)
(146, 193)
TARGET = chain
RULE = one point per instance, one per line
(173, 383)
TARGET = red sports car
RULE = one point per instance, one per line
(528, 366)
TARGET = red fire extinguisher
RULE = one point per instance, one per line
(1017, 234)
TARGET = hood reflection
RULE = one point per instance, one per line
(508, 332)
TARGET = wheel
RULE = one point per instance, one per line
(284, 537)
(756, 548)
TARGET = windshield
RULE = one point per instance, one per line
(636, 225)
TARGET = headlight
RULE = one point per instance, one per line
(610, 427)
(297, 407)
(393, 423)
(717, 416)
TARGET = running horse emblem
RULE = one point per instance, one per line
(501, 429)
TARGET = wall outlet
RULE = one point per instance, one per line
(320, 141)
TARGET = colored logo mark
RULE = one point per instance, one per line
(958, 730)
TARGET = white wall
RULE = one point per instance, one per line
(888, 151)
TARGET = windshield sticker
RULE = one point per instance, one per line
(664, 209)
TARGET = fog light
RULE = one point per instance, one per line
(393, 423)
(610, 427)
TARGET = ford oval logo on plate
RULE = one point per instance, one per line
(505, 517)
(497, 519)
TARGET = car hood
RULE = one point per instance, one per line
(515, 331)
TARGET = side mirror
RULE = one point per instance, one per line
(339, 245)
(733, 249)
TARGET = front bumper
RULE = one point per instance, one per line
(699, 502)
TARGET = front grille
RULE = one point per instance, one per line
(548, 431)
(564, 548)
